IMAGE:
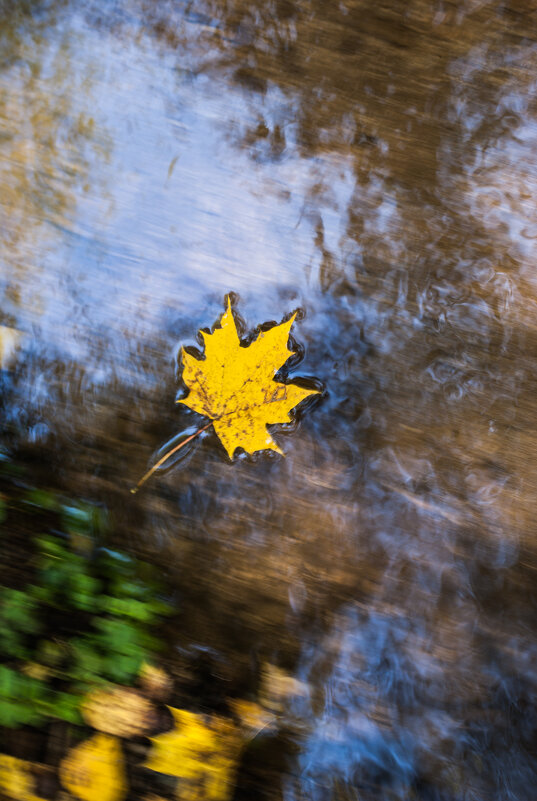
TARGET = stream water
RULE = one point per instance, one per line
(375, 165)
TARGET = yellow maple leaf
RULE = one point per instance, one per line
(16, 779)
(95, 770)
(201, 752)
(234, 385)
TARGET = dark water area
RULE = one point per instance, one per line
(374, 165)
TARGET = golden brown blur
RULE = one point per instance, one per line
(353, 620)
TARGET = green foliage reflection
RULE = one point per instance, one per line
(86, 616)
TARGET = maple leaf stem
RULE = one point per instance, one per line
(167, 456)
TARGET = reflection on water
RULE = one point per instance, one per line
(375, 166)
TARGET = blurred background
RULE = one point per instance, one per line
(356, 620)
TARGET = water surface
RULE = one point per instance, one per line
(373, 166)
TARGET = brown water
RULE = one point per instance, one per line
(374, 165)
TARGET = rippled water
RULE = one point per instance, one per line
(375, 166)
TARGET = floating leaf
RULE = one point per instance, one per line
(277, 687)
(155, 681)
(10, 340)
(95, 770)
(118, 711)
(201, 752)
(234, 385)
(253, 717)
(34, 670)
(16, 779)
